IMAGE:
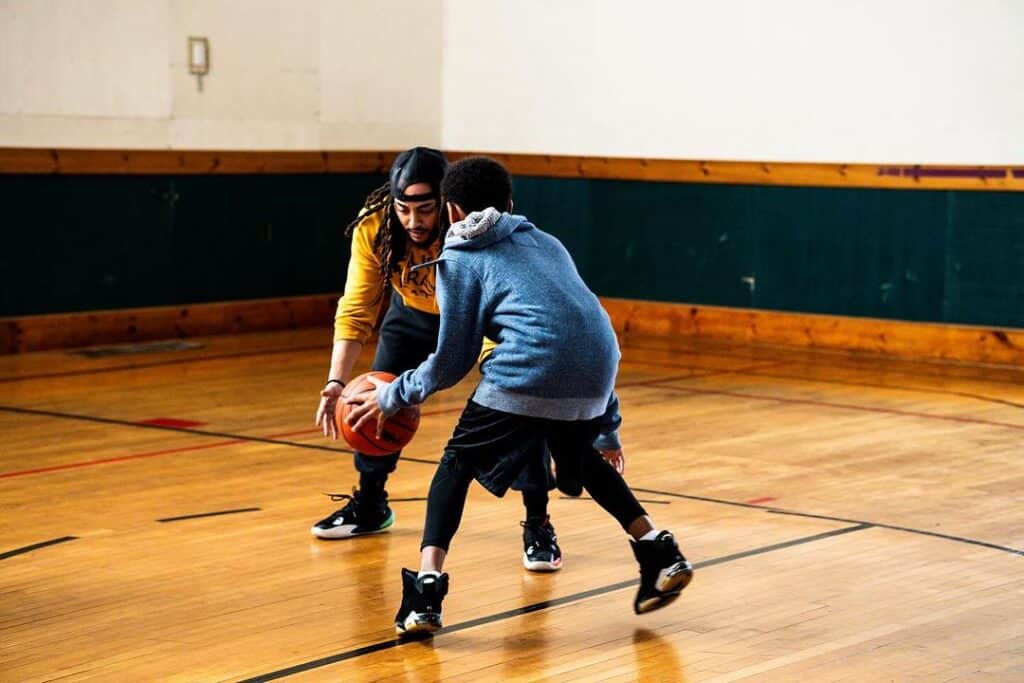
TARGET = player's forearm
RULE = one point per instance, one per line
(343, 358)
(438, 372)
(459, 338)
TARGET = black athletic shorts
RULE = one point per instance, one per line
(493, 447)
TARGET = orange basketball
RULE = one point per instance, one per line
(398, 429)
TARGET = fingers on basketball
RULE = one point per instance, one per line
(395, 433)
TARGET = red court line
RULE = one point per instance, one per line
(171, 451)
(654, 382)
(172, 422)
(136, 456)
(152, 454)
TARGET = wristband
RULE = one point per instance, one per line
(336, 381)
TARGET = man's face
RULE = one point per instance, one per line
(418, 218)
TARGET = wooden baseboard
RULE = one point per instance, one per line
(891, 338)
(69, 330)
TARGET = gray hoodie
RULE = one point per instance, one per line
(501, 277)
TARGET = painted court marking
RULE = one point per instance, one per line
(218, 513)
(155, 364)
(536, 607)
(808, 515)
(36, 546)
(171, 422)
(238, 439)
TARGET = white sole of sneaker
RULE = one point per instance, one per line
(418, 624)
(346, 531)
(538, 566)
(335, 534)
(670, 583)
(675, 577)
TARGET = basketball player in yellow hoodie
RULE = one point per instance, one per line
(397, 229)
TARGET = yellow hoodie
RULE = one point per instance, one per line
(360, 305)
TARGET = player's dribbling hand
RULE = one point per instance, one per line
(616, 458)
(325, 412)
(365, 409)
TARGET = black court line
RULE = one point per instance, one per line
(639, 500)
(922, 532)
(536, 607)
(156, 364)
(228, 356)
(424, 461)
(845, 520)
(36, 546)
(208, 514)
(187, 430)
(244, 354)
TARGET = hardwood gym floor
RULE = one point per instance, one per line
(852, 519)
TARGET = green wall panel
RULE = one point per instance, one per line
(943, 256)
(73, 243)
(985, 258)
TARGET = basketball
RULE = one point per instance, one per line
(398, 429)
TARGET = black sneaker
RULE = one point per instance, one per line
(361, 515)
(540, 546)
(420, 613)
(664, 572)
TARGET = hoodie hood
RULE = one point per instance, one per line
(483, 228)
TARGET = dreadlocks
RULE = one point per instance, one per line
(411, 167)
(390, 239)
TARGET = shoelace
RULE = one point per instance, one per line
(338, 497)
(543, 534)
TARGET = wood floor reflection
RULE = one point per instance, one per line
(852, 519)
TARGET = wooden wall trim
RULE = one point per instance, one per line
(631, 318)
(892, 176)
(187, 162)
(92, 328)
(891, 338)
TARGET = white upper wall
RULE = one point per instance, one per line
(84, 74)
(930, 81)
(915, 81)
(381, 74)
(301, 74)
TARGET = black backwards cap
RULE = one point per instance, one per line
(418, 165)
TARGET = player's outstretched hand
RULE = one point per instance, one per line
(365, 409)
(616, 458)
(325, 412)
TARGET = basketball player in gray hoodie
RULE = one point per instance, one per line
(549, 380)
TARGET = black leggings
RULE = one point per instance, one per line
(571, 449)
